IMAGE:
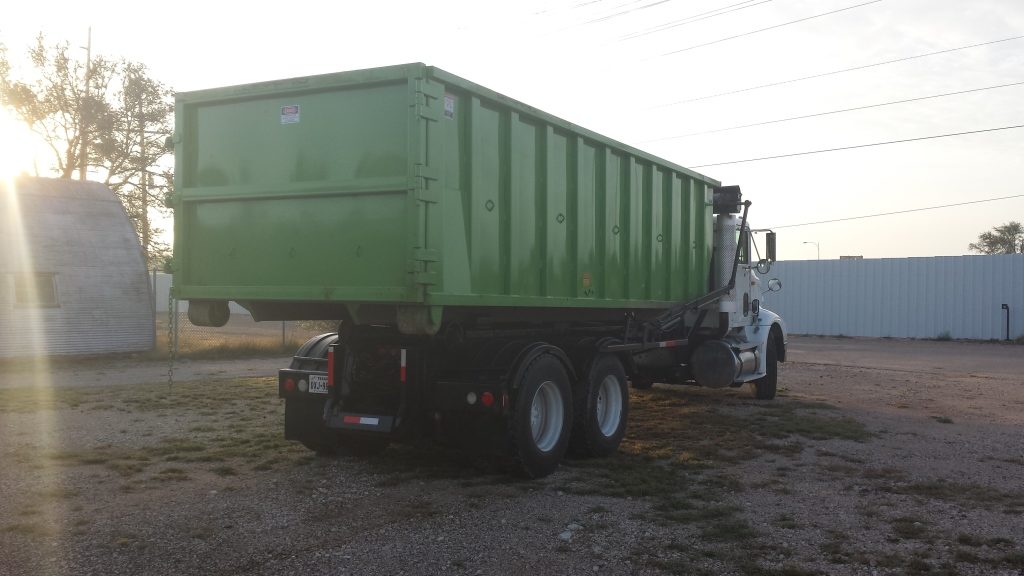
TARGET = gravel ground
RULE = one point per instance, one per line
(861, 466)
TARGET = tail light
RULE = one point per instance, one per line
(330, 367)
(487, 399)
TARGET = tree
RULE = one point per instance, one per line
(133, 149)
(1005, 239)
(107, 115)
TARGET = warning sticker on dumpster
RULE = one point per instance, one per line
(449, 106)
(290, 114)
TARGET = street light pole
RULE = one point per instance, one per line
(83, 152)
(817, 246)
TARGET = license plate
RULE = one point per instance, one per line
(318, 383)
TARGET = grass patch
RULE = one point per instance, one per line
(172, 474)
(702, 429)
(224, 471)
(959, 493)
(30, 529)
(942, 419)
(909, 528)
(786, 521)
(201, 532)
(217, 397)
(247, 432)
(677, 445)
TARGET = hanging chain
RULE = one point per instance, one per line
(172, 320)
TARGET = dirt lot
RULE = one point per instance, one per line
(879, 457)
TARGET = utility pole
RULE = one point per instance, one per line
(143, 181)
(83, 153)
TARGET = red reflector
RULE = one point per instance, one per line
(401, 368)
(487, 399)
(351, 419)
(289, 385)
(330, 367)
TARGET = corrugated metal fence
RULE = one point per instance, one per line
(902, 297)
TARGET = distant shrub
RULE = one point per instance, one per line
(944, 336)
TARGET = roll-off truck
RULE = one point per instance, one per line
(499, 276)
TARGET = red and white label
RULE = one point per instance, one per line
(361, 420)
(401, 368)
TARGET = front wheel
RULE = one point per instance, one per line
(765, 386)
(543, 417)
(602, 408)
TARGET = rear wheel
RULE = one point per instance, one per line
(765, 386)
(602, 408)
(304, 421)
(543, 417)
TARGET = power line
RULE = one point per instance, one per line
(630, 11)
(720, 40)
(898, 212)
(858, 146)
(834, 72)
(695, 18)
(815, 115)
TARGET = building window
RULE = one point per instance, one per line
(36, 289)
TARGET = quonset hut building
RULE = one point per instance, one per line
(72, 275)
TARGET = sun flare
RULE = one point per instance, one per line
(19, 147)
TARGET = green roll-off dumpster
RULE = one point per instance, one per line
(492, 267)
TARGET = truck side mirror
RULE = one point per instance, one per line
(774, 285)
(769, 246)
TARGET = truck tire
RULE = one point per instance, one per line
(542, 422)
(602, 409)
(304, 418)
(303, 421)
(764, 387)
(313, 354)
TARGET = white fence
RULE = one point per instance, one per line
(162, 285)
(902, 297)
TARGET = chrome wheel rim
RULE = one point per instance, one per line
(609, 405)
(547, 413)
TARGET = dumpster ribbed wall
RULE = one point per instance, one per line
(540, 209)
(902, 298)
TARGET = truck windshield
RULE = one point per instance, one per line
(743, 245)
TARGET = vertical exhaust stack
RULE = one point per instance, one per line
(725, 248)
(728, 201)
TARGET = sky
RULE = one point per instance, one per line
(616, 67)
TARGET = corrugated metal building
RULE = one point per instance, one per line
(72, 275)
(902, 297)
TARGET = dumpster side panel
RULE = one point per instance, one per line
(539, 212)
